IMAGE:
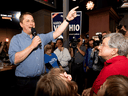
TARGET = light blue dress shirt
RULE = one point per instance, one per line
(33, 65)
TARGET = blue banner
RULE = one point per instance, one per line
(74, 25)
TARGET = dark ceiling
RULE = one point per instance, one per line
(7, 6)
(32, 5)
(25, 5)
(11, 6)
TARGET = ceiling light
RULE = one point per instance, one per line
(7, 40)
(90, 5)
(18, 15)
(7, 17)
(125, 0)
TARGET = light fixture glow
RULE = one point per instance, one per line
(7, 40)
(9, 18)
(18, 15)
(125, 5)
(90, 5)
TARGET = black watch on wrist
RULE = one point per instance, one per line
(67, 19)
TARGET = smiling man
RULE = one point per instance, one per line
(26, 54)
(114, 50)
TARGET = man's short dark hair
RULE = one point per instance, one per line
(59, 39)
(21, 18)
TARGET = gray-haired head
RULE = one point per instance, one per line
(117, 40)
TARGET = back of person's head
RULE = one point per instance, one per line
(117, 40)
(117, 85)
(54, 84)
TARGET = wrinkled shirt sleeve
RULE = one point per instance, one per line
(13, 49)
(48, 36)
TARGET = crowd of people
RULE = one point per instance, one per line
(91, 68)
(100, 66)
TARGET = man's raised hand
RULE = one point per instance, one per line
(72, 14)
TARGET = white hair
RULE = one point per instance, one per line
(117, 40)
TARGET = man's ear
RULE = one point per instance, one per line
(114, 52)
(21, 24)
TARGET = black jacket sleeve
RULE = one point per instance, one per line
(49, 66)
(58, 62)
